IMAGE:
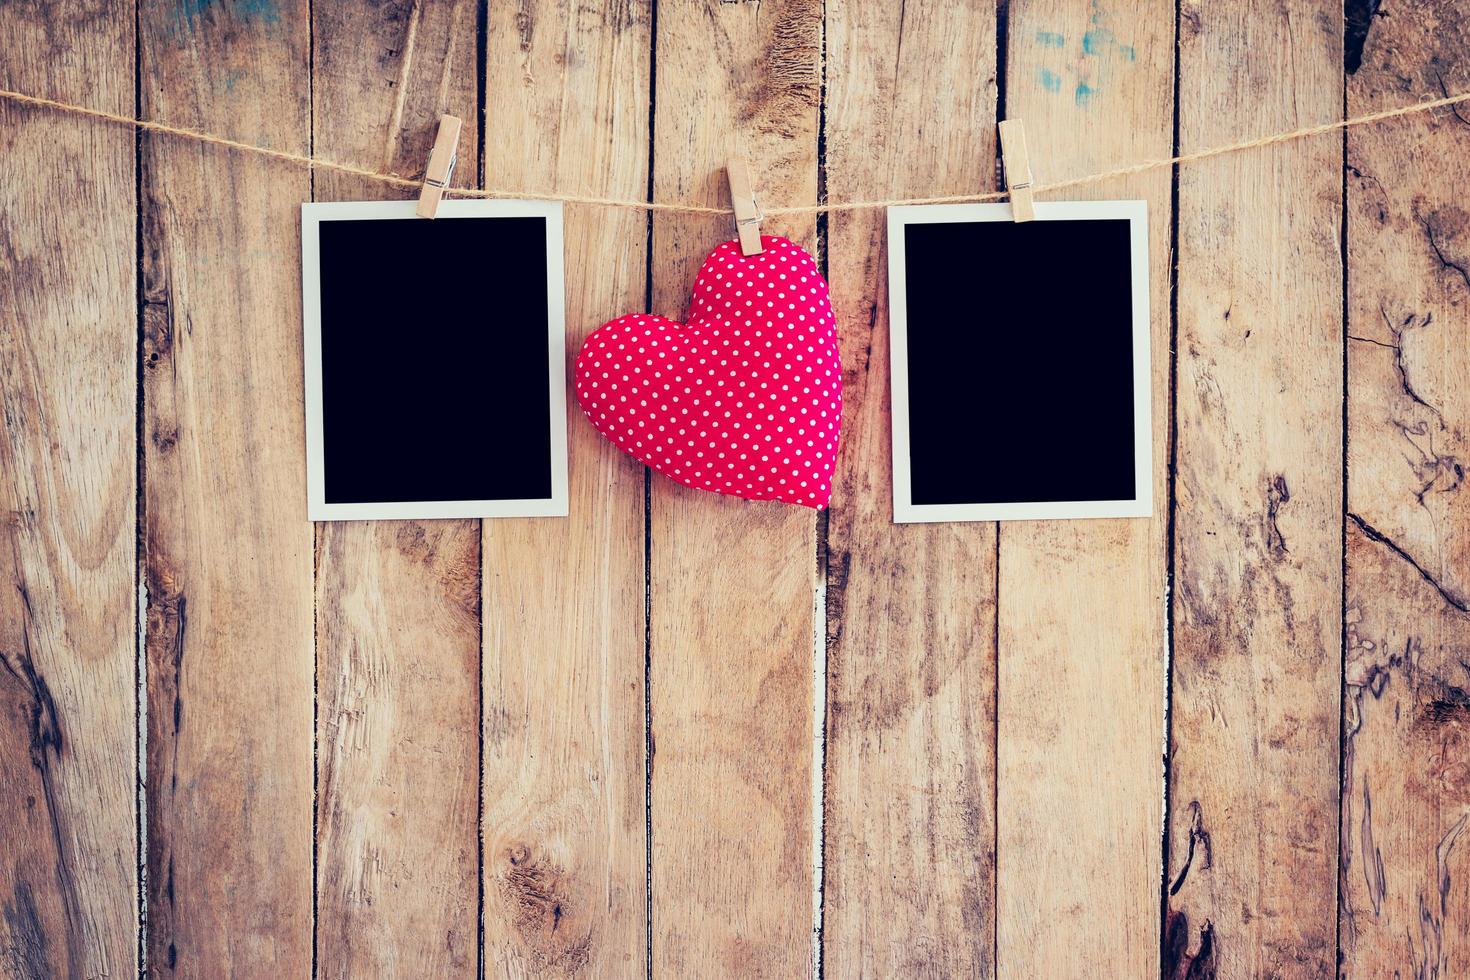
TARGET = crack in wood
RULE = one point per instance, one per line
(1455, 600)
(1277, 496)
(1373, 874)
(47, 745)
(1447, 263)
(1198, 836)
(27, 950)
(1357, 22)
(1178, 963)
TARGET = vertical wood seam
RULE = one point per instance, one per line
(480, 964)
(482, 39)
(1002, 42)
(140, 553)
(648, 746)
(315, 734)
(819, 584)
(316, 539)
(316, 656)
(995, 729)
(1342, 529)
(1170, 525)
(819, 717)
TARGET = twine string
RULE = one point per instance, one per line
(305, 160)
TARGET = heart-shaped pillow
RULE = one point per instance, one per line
(744, 399)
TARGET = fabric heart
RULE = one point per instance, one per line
(744, 399)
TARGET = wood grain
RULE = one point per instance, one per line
(1406, 781)
(909, 851)
(1257, 600)
(397, 602)
(227, 548)
(1406, 717)
(731, 582)
(68, 506)
(565, 843)
(1082, 603)
(398, 749)
(923, 875)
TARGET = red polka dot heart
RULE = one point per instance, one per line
(744, 399)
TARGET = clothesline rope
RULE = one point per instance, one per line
(310, 162)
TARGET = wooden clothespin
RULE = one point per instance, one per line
(748, 215)
(441, 166)
(1017, 169)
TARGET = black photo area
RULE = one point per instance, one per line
(1020, 348)
(434, 350)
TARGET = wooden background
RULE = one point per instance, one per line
(682, 735)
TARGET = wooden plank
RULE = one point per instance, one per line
(1082, 603)
(565, 837)
(731, 582)
(1251, 864)
(1406, 717)
(398, 602)
(228, 550)
(1406, 783)
(909, 851)
(68, 507)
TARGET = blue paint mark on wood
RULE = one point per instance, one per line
(1098, 40)
(1095, 41)
(1089, 59)
(190, 12)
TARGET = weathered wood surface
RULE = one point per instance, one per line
(1253, 773)
(585, 747)
(909, 853)
(1406, 771)
(226, 547)
(68, 515)
(731, 582)
(397, 602)
(1405, 806)
(1082, 603)
(565, 834)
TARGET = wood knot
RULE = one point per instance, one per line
(164, 440)
(1278, 494)
(415, 543)
(542, 905)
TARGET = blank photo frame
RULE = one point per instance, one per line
(435, 356)
(1020, 362)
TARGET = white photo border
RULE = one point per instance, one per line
(905, 511)
(312, 215)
